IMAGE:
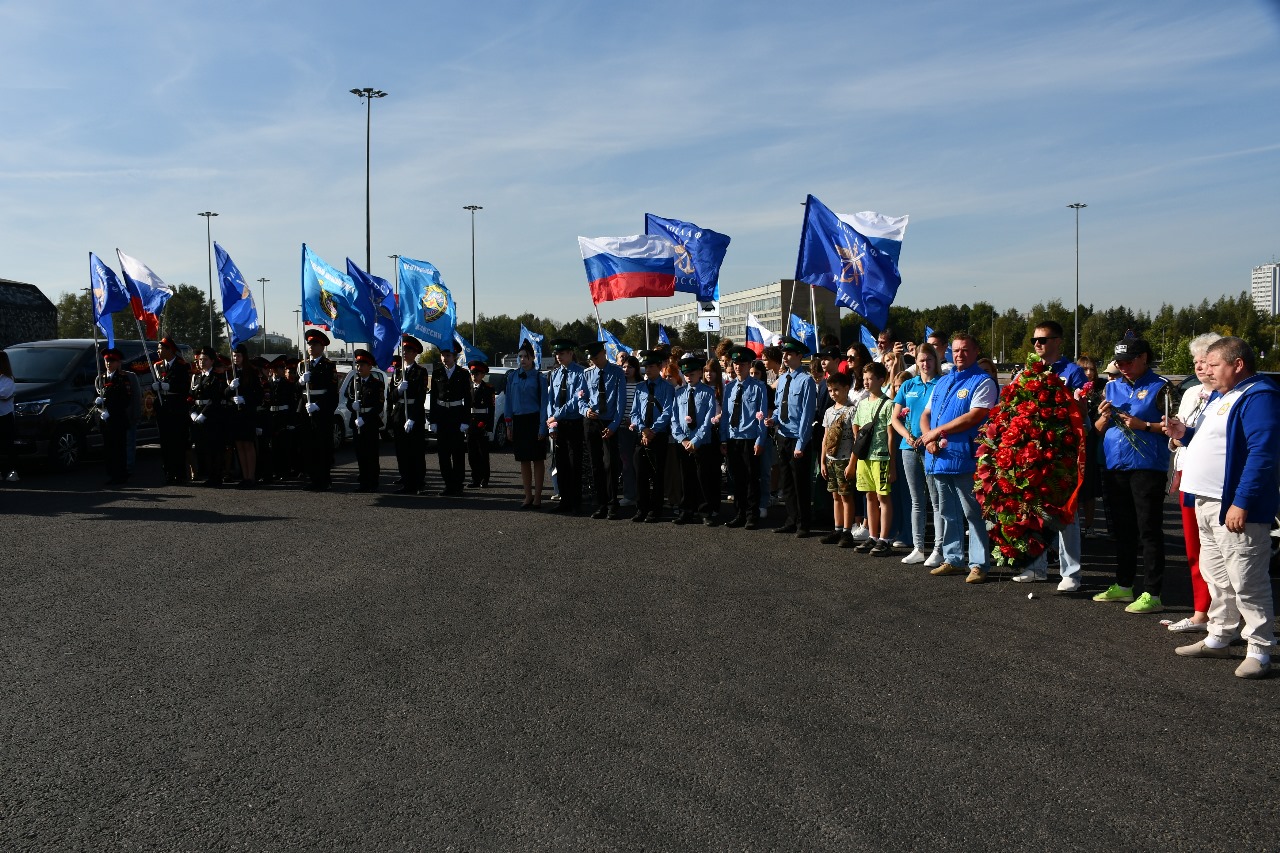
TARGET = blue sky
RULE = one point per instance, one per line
(980, 120)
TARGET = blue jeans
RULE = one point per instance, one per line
(924, 497)
(960, 507)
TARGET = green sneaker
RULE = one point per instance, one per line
(1115, 592)
(1146, 603)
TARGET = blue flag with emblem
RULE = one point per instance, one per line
(334, 301)
(468, 353)
(612, 346)
(237, 300)
(854, 255)
(386, 317)
(662, 336)
(699, 254)
(427, 309)
(805, 333)
(869, 341)
(109, 296)
(535, 341)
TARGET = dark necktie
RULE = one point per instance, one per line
(736, 417)
(786, 392)
(562, 396)
(649, 407)
(603, 408)
(693, 408)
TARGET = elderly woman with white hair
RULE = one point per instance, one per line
(1189, 412)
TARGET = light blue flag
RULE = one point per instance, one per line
(612, 345)
(333, 300)
(805, 333)
(855, 256)
(427, 309)
(869, 341)
(699, 254)
(535, 341)
(468, 353)
(662, 336)
(386, 318)
(109, 296)
(237, 299)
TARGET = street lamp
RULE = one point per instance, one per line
(1076, 308)
(208, 230)
(367, 95)
(473, 208)
(263, 282)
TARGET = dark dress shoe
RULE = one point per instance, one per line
(752, 524)
(600, 513)
(736, 521)
(786, 528)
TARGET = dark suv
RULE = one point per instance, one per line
(53, 400)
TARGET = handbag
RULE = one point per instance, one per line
(862, 442)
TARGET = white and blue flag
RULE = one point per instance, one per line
(612, 346)
(109, 296)
(535, 341)
(805, 333)
(699, 254)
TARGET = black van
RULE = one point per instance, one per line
(55, 389)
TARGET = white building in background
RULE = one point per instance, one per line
(768, 302)
(1266, 289)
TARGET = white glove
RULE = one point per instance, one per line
(305, 377)
(104, 414)
(195, 415)
(164, 387)
(403, 387)
(312, 408)
(99, 401)
(462, 427)
(238, 400)
(257, 430)
(235, 383)
(408, 426)
(433, 428)
(200, 419)
(359, 423)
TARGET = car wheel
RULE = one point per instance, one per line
(65, 450)
(339, 434)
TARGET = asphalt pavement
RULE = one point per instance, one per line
(190, 669)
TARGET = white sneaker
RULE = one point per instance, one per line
(1069, 585)
(1186, 626)
(935, 560)
(898, 543)
(12, 478)
(916, 556)
(1029, 576)
(860, 533)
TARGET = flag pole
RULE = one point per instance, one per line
(813, 310)
(646, 324)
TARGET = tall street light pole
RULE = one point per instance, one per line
(473, 208)
(367, 94)
(263, 282)
(208, 231)
(1076, 310)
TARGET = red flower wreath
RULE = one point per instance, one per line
(1030, 456)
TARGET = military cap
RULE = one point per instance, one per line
(259, 361)
(593, 347)
(692, 362)
(410, 342)
(363, 355)
(111, 352)
(830, 352)
(654, 356)
(209, 352)
(741, 355)
(790, 344)
(167, 341)
(563, 345)
(280, 361)
(477, 364)
(315, 336)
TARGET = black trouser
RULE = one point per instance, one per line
(210, 449)
(794, 479)
(411, 455)
(284, 448)
(366, 445)
(451, 450)
(174, 422)
(320, 449)
(651, 464)
(700, 475)
(1135, 508)
(606, 464)
(115, 438)
(569, 463)
(478, 455)
(744, 472)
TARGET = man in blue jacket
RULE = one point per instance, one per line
(1230, 465)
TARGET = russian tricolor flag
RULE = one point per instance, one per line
(626, 267)
(147, 293)
(757, 336)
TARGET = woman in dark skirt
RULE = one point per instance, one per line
(244, 395)
(526, 424)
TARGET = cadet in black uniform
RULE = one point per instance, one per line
(113, 413)
(173, 418)
(409, 422)
(280, 399)
(319, 378)
(364, 402)
(244, 395)
(207, 393)
(483, 398)
(449, 415)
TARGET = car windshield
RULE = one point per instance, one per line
(42, 364)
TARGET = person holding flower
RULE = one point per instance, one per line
(908, 406)
(949, 429)
(1136, 454)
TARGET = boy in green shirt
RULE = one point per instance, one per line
(874, 474)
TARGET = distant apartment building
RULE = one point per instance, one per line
(1266, 289)
(770, 303)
